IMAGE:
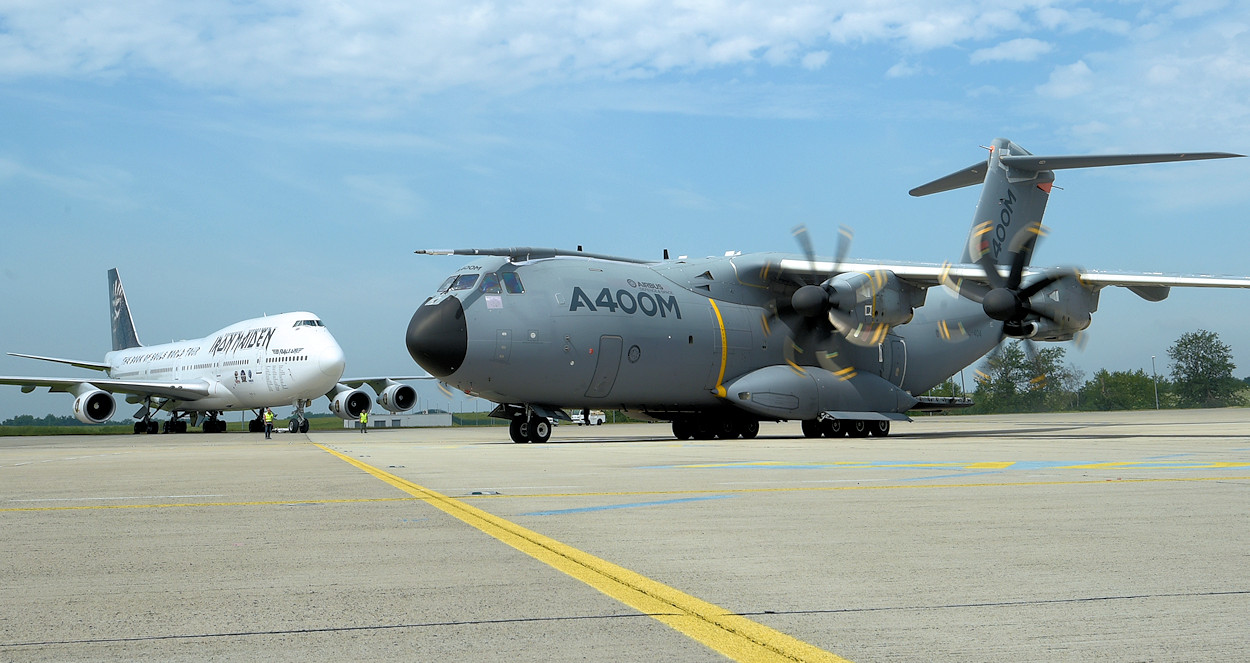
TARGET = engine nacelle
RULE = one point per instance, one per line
(94, 406)
(1069, 306)
(398, 398)
(875, 297)
(348, 403)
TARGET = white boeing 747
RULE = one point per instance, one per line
(274, 361)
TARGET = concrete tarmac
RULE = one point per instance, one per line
(1070, 537)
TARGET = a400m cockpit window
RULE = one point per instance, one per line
(495, 283)
(308, 323)
(490, 284)
(512, 282)
(458, 282)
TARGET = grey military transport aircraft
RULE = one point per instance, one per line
(717, 345)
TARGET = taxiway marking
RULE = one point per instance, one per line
(781, 489)
(732, 635)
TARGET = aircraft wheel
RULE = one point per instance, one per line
(682, 429)
(517, 430)
(811, 428)
(182, 427)
(858, 428)
(139, 427)
(704, 430)
(303, 426)
(539, 429)
(153, 427)
(879, 428)
(727, 429)
(750, 429)
(834, 428)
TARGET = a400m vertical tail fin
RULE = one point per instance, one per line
(123, 326)
(1016, 187)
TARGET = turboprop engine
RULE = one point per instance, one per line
(348, 403)
(92, 405)
(1062, 309)
(863, 306)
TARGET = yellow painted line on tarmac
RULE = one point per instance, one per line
(890, 486)
(730, 634)
(627, 493)
(174, 505)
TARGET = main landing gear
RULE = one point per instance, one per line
(534, 429)
(214, 424)
(831, 427)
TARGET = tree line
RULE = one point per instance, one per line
(1017, 378)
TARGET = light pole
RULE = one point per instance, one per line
(1156, 379)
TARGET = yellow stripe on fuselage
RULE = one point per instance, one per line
(724, 350)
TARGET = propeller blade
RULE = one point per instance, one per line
(805, 242)
(991, 272)
(867, 334)
(845, 235)
(966, 289)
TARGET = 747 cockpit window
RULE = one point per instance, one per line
(308, 323)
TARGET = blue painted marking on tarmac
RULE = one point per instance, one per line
(952, 476)
(633, 505)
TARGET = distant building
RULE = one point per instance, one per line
(388, 420)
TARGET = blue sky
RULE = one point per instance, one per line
(235, 159)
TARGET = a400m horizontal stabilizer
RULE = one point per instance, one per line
(1028, 163)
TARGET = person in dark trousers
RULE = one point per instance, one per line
(364, 421)
(268, 422)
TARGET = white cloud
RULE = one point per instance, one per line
(903, 70)
(1025, 49)
(1068, 81)
(329, 48)
(815, 60)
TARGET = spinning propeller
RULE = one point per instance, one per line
(1008, 299)
(833, 299)
(815, 312)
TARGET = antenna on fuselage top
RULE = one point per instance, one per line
(666, 254)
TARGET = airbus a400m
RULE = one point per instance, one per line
(717, 345)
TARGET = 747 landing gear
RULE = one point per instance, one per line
(299, 423)
(213, 424)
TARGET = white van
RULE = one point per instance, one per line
(596, 417)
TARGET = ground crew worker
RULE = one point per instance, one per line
(364, 421)
(268, 422)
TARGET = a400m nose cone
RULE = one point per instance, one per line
(438, 338)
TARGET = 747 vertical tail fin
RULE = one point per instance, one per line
(123, 326)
